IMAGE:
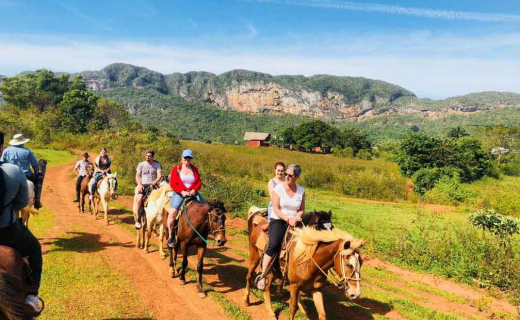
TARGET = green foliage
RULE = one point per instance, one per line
(448, 191)
(315, 134)
(501, 226)
(238, 196)
(40, 89)
(458, 132)
(76, 110)
(427, 159)
(420, 151)
(426, 178)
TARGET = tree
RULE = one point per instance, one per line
(458, 132)
(108, 115)
(76, 110)
(419, 151)
(355, 140)
(309, 135)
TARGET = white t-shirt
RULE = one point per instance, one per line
(187, 179)
(289, 206)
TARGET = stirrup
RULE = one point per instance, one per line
(259, 278)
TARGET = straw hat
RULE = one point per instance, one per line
(18, 140)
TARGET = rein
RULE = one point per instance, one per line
(342, 284)
(213, 232)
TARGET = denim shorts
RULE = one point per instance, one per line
(176, 201)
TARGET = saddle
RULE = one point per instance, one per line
(27, 279)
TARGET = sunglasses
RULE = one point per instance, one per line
(289, 175)
(187, 158)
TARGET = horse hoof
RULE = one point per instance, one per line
(163, 256)
(183, 282)
(246, 301)
(172, 272)
(202, 295)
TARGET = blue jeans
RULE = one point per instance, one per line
(176, 201)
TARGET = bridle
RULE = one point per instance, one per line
(219, 213)
(343, 283)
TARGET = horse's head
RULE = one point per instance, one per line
(320, 220)
(90, 170)
(112, 184)
(347, 264)
(217, 222)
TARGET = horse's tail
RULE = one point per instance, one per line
(10, 288)
(30, 210)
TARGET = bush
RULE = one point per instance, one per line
(364, 154)
(448, 191)
(426, 178)
(318, 178)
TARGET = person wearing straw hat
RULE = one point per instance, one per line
(23, 157)
(18, 154)
(81, 171)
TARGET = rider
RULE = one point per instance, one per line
(12, 231)
(102, 167)
(25, 159)
(279, 178)
(149, 173)
(81, 171)
(288, 207)
(185, 182)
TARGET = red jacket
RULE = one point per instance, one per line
(177, 184)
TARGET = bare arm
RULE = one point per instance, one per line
(270, 187)
(300, 212)
(159, 177)
(138, 179)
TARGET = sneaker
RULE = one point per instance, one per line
(137, 225)
(33, 302)
(37, 204)
(171, 242)
(77, 200)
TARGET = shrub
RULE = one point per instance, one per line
(448, 191)
(318, 178)
(426, 178)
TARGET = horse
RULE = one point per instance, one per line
(13, 285)
(84, 191)
(257, 225)
(196, 222)
(156, 208)
(26, 212)
(105, 191)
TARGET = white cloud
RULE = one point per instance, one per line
(390, 9)
(431, 65)
(252, 30)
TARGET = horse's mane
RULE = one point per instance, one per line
(9, 289)
(159, 192)
(307, 240)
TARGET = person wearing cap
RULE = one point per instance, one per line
(13, 233)
(185, 182)
(81, 171)
(18, 154)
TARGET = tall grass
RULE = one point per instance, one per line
(351, 177)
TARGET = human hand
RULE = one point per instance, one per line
(153, 183)
(140, 187)
(192, 193)
(292, 222)
(185, 194)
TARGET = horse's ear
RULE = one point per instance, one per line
(115, 174)
(346, 245)
(314, 211)
(330, 213)
(363, 242)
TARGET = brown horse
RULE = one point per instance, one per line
(202, 218)
(312, 254)
(84, 189)
(13, 281)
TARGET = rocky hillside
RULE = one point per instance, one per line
(319, 96)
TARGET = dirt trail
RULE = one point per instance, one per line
(165, 298)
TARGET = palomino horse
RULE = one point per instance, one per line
(156, 208)
(26, 212)
(105, 191)
(84, 191)
(257, 225)
(197, 220)
(13, 281)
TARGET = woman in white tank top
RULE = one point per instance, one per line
(288, 207)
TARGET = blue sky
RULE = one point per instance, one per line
(434, 48)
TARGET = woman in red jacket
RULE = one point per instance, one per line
(185, 182)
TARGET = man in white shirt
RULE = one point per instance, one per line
(149, 173)
(81, 171)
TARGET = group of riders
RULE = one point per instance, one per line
(285, 208)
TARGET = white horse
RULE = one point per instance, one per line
(105, 191)
(26, 212)
(156, 209)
